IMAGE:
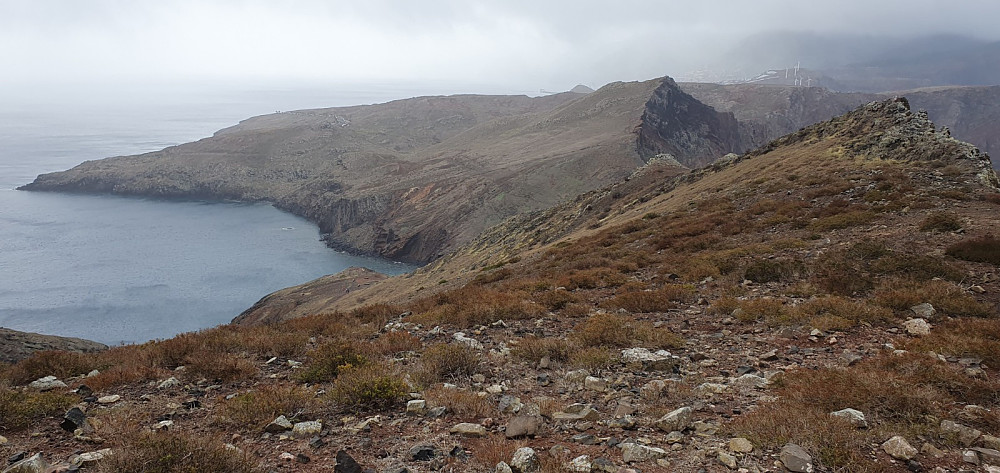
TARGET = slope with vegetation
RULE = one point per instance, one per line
(850, 265)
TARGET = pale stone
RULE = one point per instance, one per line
(416, 407)
(854, 416)
(47, 383)
(580, 464)
(634, 453)
(468, 429)
(726, 459)
(897, 447)
(307, 429)
(109, 399)
(525, 460)
(917, 327)
(740, 445)
(678, 419)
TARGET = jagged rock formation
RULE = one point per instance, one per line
(409, 180)
(676, 123)
(16, 346)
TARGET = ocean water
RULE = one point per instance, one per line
(127, 270)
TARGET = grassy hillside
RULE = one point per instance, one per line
(784, 284)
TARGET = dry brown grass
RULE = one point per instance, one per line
(983, 249)
(838, 313)
(372, 386)
(533, 349)
(618, 331)
(22, 409)
(658, 300)
(446, 361)
(391, 343)
(594, 359)
(470, 306)
(941, 222)
(326, 361)
(946, 297)
(176, 452)
(256, 408)
(904, 394)
(60, 364)
(461, 403)
(220, 366)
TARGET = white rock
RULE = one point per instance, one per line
(416, 407)
(854, 416)
(468, 429)
(595, 384)
(47, 383)
(740, 445)
(917, 327)
(898, 448)
(169, 383)
(471, 342)
(163, 425)
(109, 399)
(525, 460)
(678, 419)
(307, 429)
(580, 464)
(634, 453)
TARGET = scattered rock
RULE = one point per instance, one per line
(968, 456)
(897, 447)
(750, 381)
(931, 451)
(307, 429)
(577, 412)
(32, 464)
(917, 327)
(740, 445)
(988, 455)
(525, 460)
(503, 467)
(416, 407)
(169, 383)
(579, 464)
(74, 419)
(109, 399)
(726, 459)
(635, 453)
(88, 458)
(660, 360)
(279, 425)
(678, 419)
(854, 416)
(796, 459)
(47, 383)
(595, 384)
(423, 453)
(924, 310)
(603, 465)
(962, 433)
(468, 429)
(163, 425)
(346, 463)
(522, 426)
(987, 441)
(471, 342)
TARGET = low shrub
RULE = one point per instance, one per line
(61, 364)
(326, 361)
(157, 452)
(763, 270)
(21, 409)
(984, 249)
(946, 297)
(941, 222)
(459, 402)
(534, 348)
(220, 366)
(594, 359)
(372, 386)
(255, 409)
(391, 343)
(659, 300)
(447, 361)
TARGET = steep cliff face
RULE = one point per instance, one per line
(676, 123)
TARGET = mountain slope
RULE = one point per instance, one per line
(847, 265)
(411, 179)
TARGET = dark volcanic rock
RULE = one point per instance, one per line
(676, 123)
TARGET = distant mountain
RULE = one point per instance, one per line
(865, 63)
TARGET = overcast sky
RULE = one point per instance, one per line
(517, 44)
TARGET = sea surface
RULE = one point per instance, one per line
(128, 270)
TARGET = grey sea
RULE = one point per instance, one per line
(127, 270)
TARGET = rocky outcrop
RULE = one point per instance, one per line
(676, 123)
(15, 346)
